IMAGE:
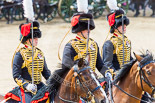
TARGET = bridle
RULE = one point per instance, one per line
(84, 84)
(145, 79)
(81, 83)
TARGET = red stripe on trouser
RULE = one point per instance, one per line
(23, 95)
(12, 96)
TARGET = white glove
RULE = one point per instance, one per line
(108, 75)
(32, 88)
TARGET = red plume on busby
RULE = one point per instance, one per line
(26, 31)
(115, 19)
(79, 20)
(117, 16)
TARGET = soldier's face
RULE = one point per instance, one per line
(120, 29)
(35, 42)
(85, 33)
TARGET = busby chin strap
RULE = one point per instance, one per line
(32, 58)
(123, 36)
(87, 52)
(32, 55)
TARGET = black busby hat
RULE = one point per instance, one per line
(80, 22)
(115, 19)
(26, 31)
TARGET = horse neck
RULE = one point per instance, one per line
(67, 90)
(130, 85)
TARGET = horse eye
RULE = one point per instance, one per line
(147, 67)
(148, 72)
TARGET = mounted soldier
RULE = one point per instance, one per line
(29, 64)
(22, 66)
(81, 46)
(117, 50)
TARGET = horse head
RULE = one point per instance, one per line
(83, 84)
(146, 68)
(134, 78)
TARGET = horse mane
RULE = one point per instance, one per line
(58, 75)
(146, 57)
(123, 71)
(56, 79)
(126, 67)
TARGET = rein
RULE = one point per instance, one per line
(66, 100)
(130, 94)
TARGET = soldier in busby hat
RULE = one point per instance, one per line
(82, 23)
(26, 31)
(22, 65)
(76, 48)
(117, 50)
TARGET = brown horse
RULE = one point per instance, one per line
(80, 82)
(134, 78)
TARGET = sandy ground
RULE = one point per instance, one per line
(141, 32)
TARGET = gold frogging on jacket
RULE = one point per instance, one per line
(80, 48)
(38, 62)
(118, 48)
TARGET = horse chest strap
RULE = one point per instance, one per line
(96, 88)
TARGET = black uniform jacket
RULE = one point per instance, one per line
(68, 59)
(22, 73)
(110, 59)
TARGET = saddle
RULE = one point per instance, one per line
(41, 96)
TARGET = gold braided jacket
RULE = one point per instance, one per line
(38, 63)
(117, 40)
(79, 44)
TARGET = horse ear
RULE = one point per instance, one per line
(80, 63)
(138, 57)
(148, 52)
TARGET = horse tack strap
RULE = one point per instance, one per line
(83, 69)
(130, 94)
(145, 79)
(141, 66)
(143, 76)
(66, 100)
(96, 89)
